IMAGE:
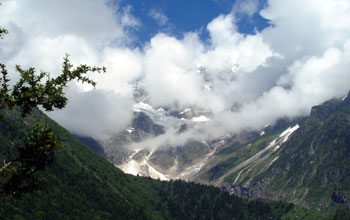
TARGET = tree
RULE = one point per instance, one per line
(31, 91)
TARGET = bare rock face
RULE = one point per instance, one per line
(143, 122)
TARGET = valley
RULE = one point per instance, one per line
(238, 163)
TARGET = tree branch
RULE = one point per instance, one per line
(6, 165)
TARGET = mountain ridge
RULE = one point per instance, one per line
(313, 166)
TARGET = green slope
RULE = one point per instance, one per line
(83, 185)
(231, 161)
(313, 166)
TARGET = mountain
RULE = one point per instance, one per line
(311, 168)
(144, 148)
(302, 161)
(81, 184)
(137, 152)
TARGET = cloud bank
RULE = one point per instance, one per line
(300, 60)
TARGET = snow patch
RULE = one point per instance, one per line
(135, 168)
(184, 111)
(130, 130)
(237, 177)
(142, 106)
(285, 135)
(153, 173)
(262, 133)
(276, 148)
(160, 110)
(201, 118)
(131, 168)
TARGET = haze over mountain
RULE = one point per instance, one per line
(297, 57)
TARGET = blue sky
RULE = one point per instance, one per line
(183, 16)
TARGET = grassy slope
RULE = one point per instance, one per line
(229, 161)
(238, 150)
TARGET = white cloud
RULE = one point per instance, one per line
(91, 20)
(299, 28)
(246, 7)
(126, 19)
(158, 16)
(124, 66)
(301, 60)
(298, 62)
(312, 66)
(92, 32)
(169, 61)
(95, 113)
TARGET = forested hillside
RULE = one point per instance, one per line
(81, 184)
